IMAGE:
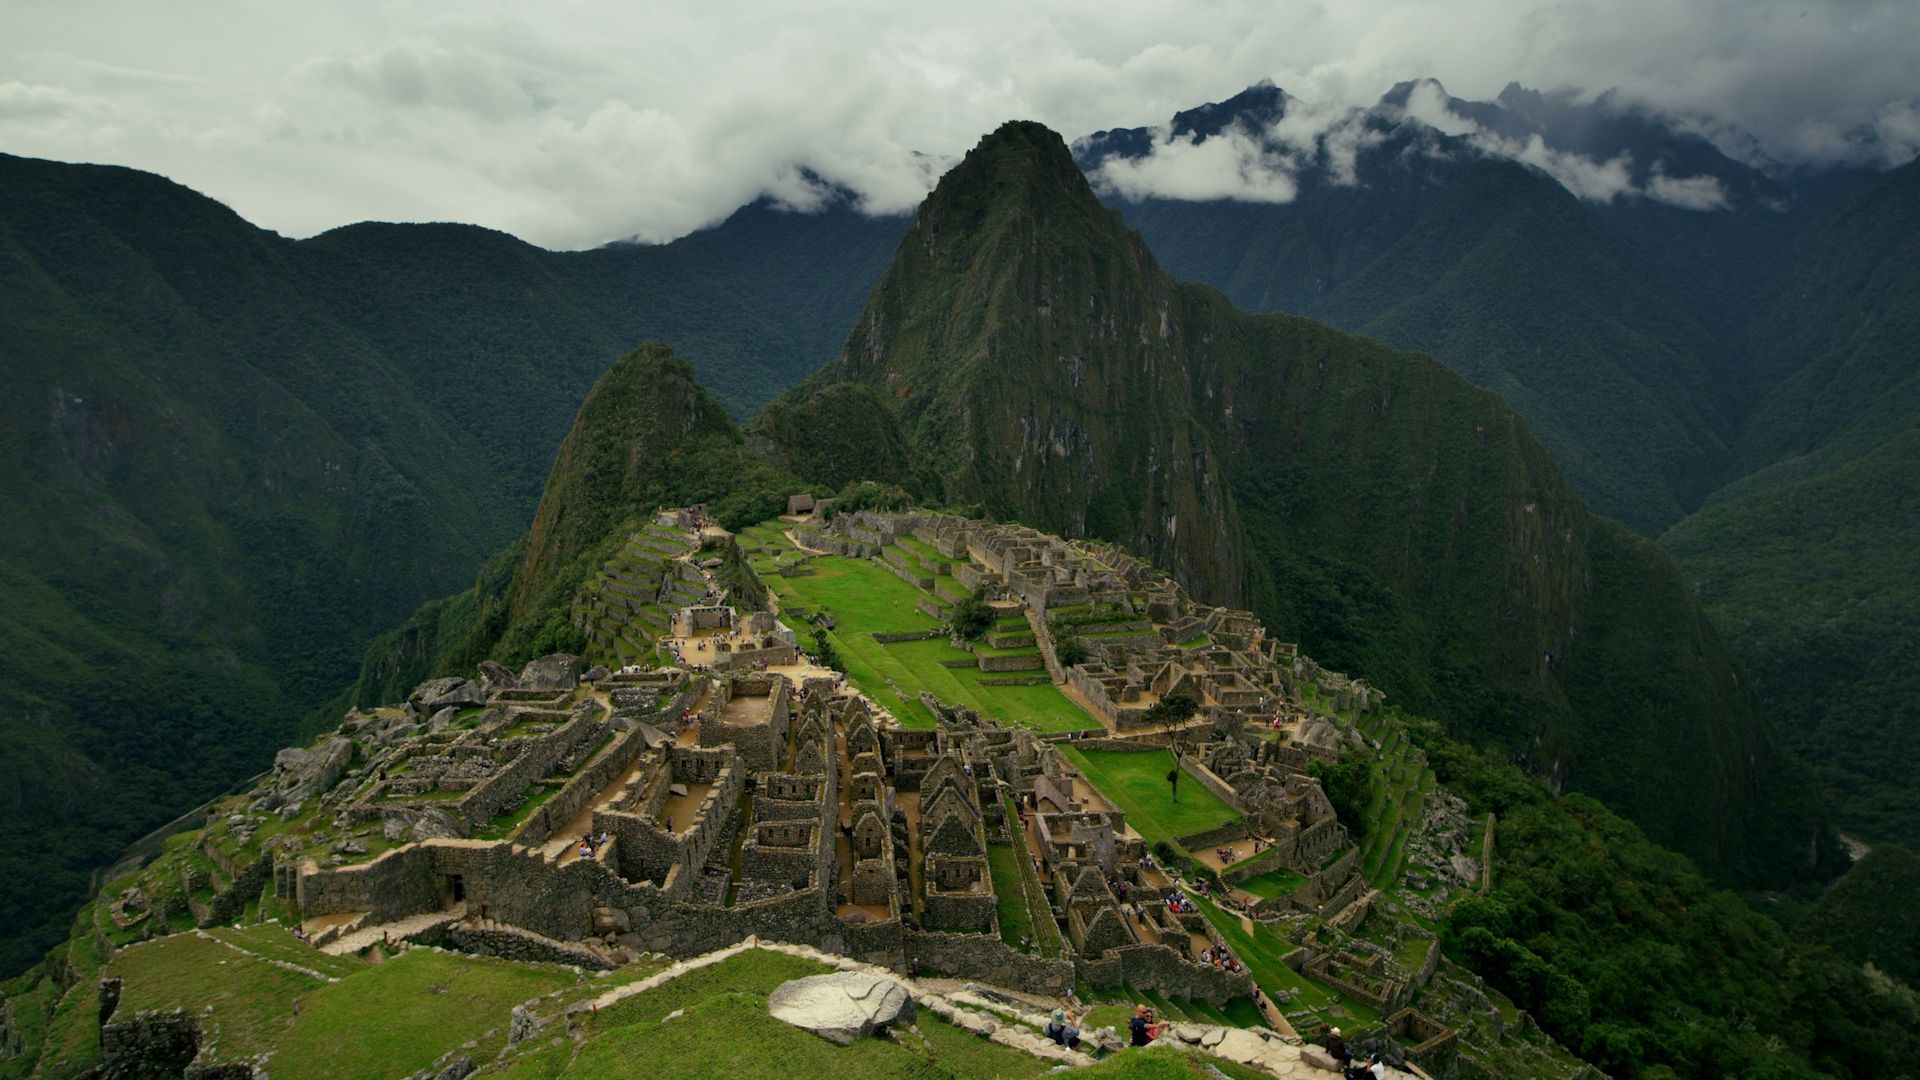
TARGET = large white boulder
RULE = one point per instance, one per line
(841, 1006)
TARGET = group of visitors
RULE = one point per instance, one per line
(1179, 904)
(1217, 955)
(590, 845)
(1371, 1067)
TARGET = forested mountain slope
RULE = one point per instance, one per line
(230, 458)
(1808, 559)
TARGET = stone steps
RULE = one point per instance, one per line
(402, 929)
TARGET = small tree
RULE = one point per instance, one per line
(1176, 708)
(971, 617)
(1072, 651)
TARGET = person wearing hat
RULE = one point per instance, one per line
(1337, 1047)
(1056, 1028)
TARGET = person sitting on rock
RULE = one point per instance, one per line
(1056, 1028)
(1337, 1047)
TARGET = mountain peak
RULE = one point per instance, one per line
(1019, 158)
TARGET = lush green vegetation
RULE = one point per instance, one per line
(1870, 916)
(230, 459)
(1626, 954)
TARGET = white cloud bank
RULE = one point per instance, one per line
(576, 121)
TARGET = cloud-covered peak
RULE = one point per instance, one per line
(600, 119)
(1264, 146)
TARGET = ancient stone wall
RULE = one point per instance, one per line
(1192, 766)
(398, 883)
(1233, 830)
(564, 805)
(1162, 969)
(990, 960)
(1010, 662)
(242, 888)
(510, 943)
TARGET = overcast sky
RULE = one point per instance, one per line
(573, 122)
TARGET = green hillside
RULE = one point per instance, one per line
(1806, 561)
(646, 436)
(230, 459)
(1504, 276)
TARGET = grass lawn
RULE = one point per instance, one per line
(1009, 895)
(398, 1017)
(864, 598)
(251, 999)
(1272, 883)
(276, 943)
(1136, 781)
(1261, 950)
(714, 1022)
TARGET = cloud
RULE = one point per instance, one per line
(1227, 166)
(1265, 165)
(19, 100)
(1589, 179)
(579, 121)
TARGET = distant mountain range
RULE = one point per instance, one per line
(1720, 355)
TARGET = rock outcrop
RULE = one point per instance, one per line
(842, 1007)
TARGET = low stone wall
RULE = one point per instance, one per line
(1017, 680)
(906, 635)
(1233, 830)
(913, 578)
(399, 883)
(1344, 895)
(1192, 767)
(509, 943)
(1161, 969)
(1123, 745)
(1270, 859)
(1016, 662)
(990, 960)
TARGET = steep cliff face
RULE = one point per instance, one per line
(1025, 342)
(1400, 523)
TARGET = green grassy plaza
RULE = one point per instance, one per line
(865, 598)
(1136, 781)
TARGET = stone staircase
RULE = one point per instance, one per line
(402, 929)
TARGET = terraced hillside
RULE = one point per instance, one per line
(626, 608)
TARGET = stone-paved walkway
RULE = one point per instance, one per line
(1257, 1047)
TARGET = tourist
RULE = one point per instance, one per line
(1141, 1028)
(1374, 1069)
(1056, 1028)
(1337, 1047)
